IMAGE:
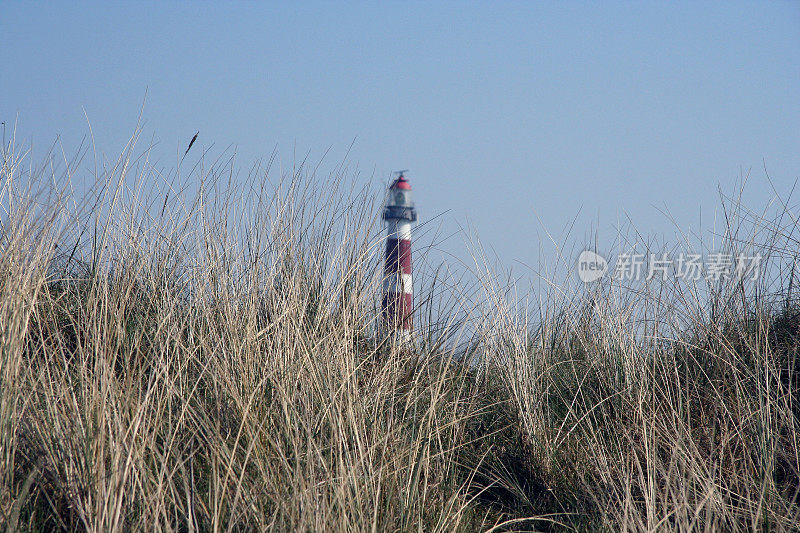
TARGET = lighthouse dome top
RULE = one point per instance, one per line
(399, 203)
(401, 183)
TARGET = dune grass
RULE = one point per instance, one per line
(203, 352)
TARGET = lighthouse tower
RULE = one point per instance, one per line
(399, 212)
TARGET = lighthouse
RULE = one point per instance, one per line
(398, 213)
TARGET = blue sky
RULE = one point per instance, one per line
(514, 118)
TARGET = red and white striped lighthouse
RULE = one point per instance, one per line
(399, 212)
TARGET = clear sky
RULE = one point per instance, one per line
(513, 117)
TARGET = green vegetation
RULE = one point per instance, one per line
(209, 360)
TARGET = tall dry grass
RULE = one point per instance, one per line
(200, 350)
